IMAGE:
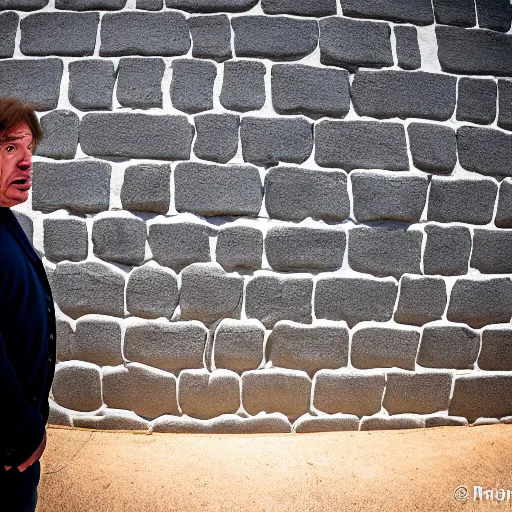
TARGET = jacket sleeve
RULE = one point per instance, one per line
(21, 426)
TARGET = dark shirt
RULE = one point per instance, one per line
(27, 344)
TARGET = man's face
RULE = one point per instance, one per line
(15, 165)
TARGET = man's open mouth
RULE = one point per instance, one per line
(22, 183)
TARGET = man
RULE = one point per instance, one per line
(27, 320)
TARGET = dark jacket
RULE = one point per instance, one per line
(27, 344)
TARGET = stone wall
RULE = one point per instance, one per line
(272, 216)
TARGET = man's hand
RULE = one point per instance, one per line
(33, 458)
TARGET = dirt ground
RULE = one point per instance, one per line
(343, 471)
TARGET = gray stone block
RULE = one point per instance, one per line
(88, 288)
(147, 187)
(351, 44)
(208, 293)
(422, 300)
(238, 345)
(179, 244)
(384, 196)
(211, 37)
(272, 298)
(462, 200)
(152, 292)
(445, 421)
(206, 395)
(504, 211)
(308, 90)
(384, 347)
(169, 346)
(478, 302)
(77, 386)
(144, 33)
(129, 135)
(34, 81)
(361, 145)
(212, 190)
(496, 352)
(332, 423)
(505, 104)
(397, 422)
(460, 13)
(293, 193)
(299, 8)
(485, 421)
(59, 33)
(419, 393)
(91, 84)
(112, 419)
(285, 391)
(23, 5)
(90, 5)
(64, 339)
(26, 224)
(243, 86)
(407, 48)
(119, 239)
(211, 5)
(491, 251)
(476, 101)
(65, 239)
(448, 346)
(476, 396)
(139, 82)
(239, 248)
(419, 13)
(494, 14)
(97, 339)
(80, 186)
(192, 85)
(60, 128)
(386, 94)
(349, 393)
(150, 5)
(146, 391)
(294, 248)
(474, 52)
(355, 299)
(217, 137)
(59, 415)
(274, 37)
(9, 23)
(268, 141)
(307, 347)
(447, 250)
(384, 252)
(433, 147)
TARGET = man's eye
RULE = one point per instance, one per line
(10, 149)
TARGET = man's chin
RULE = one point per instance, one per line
(20, 197)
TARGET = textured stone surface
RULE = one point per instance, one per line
(60, 128)
(433, 147)
(504, 211)
(407, 48)
(26, 224)
(65, 239)
(59, 415)
(384, 252)
(349, 393)
(146, 187)
(496, 352)
(144, 33)
(88, 288)
(268, 141)
(422, 300)
(462, 200)
(478, 302)
(299, 8)
(419, 13)
(150, 5)
(384, 347)
(243, 86)
(9, 23)
(326, 423)
(447, 250)
(64, 339)
(314, 92)
(208, 293)
(494, 14)
(205, 395)
(385, 196)
(239, 248)
(355, 299)
(212, 190)
(292, 193)
(460, 13)
(23, 5)
(351, 44)
(211, 37)
(136, 136)
(285, 391)
(169, 346)
(91, 84)
(80, 186)
(32, 81)
(112, 420)
(397, 422)
(476, 101)
(59, 33)
(87, 5)
(491, 251)
(308, 347)
(211, 5)
(505, 104)
(152, 292)
(279, 37)
(272, 298)
(217, 137)
(445, 421)
(361, 145)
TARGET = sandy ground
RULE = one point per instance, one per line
(380, 470)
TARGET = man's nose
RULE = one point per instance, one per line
(26, 162)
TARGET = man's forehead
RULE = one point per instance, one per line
(18, 132)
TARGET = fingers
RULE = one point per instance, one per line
(7, 468)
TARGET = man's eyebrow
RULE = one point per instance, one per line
(8, 138)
